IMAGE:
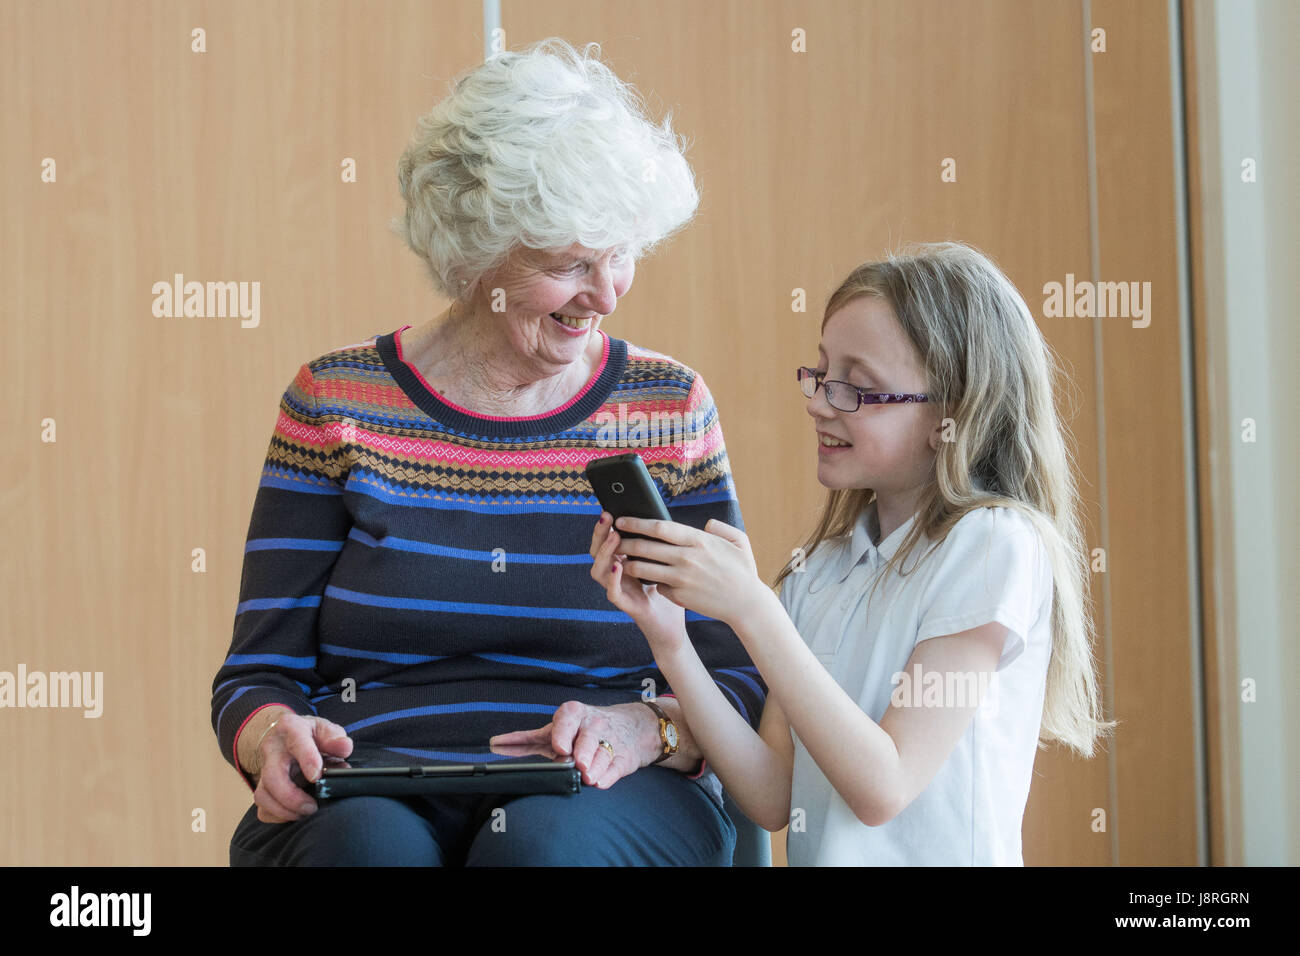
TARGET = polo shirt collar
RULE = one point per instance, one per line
(866, 528)
(860, 546)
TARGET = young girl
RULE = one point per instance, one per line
(936, 626)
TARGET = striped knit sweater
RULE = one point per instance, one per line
(420, 574)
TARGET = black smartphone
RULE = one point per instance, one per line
(625, 489)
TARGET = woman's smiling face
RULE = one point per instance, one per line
(890, 448)
(575, 282)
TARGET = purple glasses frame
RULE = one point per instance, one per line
(805, 374)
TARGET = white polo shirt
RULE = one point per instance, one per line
(991, 567)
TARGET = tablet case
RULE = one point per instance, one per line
(373, 771)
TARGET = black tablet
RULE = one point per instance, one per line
(379, 771)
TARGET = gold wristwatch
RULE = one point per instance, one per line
(667, 731)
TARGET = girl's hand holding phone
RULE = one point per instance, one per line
(712, 572)
(661, 621)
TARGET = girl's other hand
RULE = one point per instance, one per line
(662, 621)
(711, 572)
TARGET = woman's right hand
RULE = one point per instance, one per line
(661, 621)
(294, 739)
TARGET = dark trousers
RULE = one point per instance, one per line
(655, 817)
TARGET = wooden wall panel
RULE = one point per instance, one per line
(222, 166)
(1148, 507)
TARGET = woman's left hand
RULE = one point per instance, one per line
(632, 731)
(712, 572)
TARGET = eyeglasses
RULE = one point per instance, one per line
(846, 397)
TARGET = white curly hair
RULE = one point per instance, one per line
(539, 148)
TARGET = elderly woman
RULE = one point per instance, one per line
(417, 574)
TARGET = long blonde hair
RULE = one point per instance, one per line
(989, 369)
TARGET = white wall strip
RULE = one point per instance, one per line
(491, 23)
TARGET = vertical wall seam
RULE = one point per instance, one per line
(1191, 482)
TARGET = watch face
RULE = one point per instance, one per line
(670, 731)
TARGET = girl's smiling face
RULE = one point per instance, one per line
(891, 448)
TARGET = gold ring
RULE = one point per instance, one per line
(608, 746)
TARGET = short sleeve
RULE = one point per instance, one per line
(992, 567)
